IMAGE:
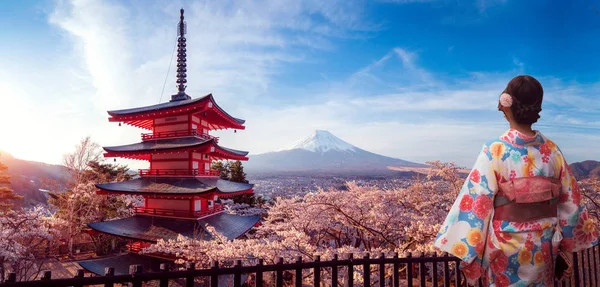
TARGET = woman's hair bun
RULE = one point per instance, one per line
(527, 94)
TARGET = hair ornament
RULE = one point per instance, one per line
(506, 100)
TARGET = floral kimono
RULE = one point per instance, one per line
(508, 253)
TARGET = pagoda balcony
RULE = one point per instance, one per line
(178, 172)
(179, 213)
(176, 134)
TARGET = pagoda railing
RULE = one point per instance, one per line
(392, 271)
(178, 133)
(179, 213)
(178, 172)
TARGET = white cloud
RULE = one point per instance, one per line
(236, 50)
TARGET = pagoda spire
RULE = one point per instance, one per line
(181, 61)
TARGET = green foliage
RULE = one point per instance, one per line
(250, 199)
(7, 195)
(105, 172)
(222, 168)
(236, 172)
(231, 170)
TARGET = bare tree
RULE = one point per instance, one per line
(78, 161)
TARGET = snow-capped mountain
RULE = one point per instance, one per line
(324, 153)
(322, 141)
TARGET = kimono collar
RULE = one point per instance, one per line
(522, 139)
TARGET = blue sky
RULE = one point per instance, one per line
(417, 80)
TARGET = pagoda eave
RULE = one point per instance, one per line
(208, 147)
(151, 228)
(144, 116)
(171, 195)
(121, 263)
(182, 187)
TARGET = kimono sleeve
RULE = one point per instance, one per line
(577, 226)
(465, 229)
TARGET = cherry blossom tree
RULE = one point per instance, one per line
(76, 207)
(359, 220)
(22, 234)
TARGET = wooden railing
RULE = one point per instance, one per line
(375, 271)
(179, 213)
(178, 133)
(178, 172)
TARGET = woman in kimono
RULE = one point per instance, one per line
(520, 205)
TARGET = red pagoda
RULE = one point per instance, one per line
(181, 192)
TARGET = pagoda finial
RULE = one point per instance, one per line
(181, 61)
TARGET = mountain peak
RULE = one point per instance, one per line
(322, 141)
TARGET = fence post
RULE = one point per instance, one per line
(434, 270)
(576, 269)
(366, 271)
(395, 273)
(237, 275)
(382, 270)
(317, 272)
(422, 275)
(298, 276)
(350, 271)
(334, 271)
(109, 272)
(46, 275)
(446, 270)
(259, 273)
(79, 274)
(279, 272)
(409, 270)
(135, 269)
(214, 277)
(12, 277)
(189, 281)
(164, 282)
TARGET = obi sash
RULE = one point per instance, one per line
(527, 198)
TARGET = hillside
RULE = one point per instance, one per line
(27, 177)
(585, 169)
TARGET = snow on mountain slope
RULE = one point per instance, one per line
(322, 141)
(324, 153)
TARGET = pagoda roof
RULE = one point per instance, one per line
(141, 115)
(138, 150)
(173, 185)
(121, 263)
(150, 228)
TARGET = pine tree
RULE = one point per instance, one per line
(222, 168)
(6, 194)
(236, 172)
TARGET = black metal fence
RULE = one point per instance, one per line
(366, 271)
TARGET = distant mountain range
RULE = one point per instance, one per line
(27, 177)
(321, 154)
(325, 154)
(585, 169)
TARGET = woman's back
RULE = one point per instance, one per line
(519, 206)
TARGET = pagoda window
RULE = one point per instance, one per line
(195, 119)
(180, 155)
(170, 120)
(197, 205)
(210, 204)
(206, 166)
(171, 127)
(172, 204)
(170, 165)
(204, 123)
